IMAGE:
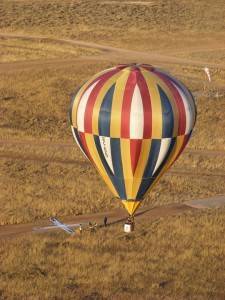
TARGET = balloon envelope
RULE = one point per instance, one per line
(132, 122)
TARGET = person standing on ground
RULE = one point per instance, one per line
(105, 221)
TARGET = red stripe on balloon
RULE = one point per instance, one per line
(135, 150)
(126, 106)
(178, 101)
(147, 107)
(87, 87)
(92, 99)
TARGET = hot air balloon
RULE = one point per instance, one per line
(132, 122)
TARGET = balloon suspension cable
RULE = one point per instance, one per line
(130, 219)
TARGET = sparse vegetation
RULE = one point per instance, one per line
(178, 257)
(144, 26)
(41, 175)
(12, 49)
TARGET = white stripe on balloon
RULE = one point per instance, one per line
(136, 115)
(164, 148)
(106, 149)
(190, 115)
(82, 107)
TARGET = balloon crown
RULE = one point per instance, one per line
(135, 66)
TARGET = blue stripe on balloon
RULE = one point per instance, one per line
(147, 182)
(152, 158)
(147, 178)
(117, 166)
(105, 113)
(167, 115)
(117, 178)
(145, 185)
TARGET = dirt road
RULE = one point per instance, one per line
(114, 216)
(108, 53)
(85, 164)
(45, 144)
(66, 144)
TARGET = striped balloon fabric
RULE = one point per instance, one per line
(132, 122)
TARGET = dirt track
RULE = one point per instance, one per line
(47, 143)
(48, 159)
(108, 53)
(38, 158)
(114, 216)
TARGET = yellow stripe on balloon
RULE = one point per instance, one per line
(143, 159)
(131, 206)
(115, 123)
(98, 163)
(155, 104)
(79, 95)
(99, 100)
(127, 168)
(178, 146)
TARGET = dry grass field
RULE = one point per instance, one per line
(47, 49)
(180, 257)
(21, 49)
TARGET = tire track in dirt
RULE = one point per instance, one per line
(51, 144)
(110, 54)
(114, 216)
(39, 158)
(48, 63)
(196, 49)
(85, 163)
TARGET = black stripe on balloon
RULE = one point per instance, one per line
(147, 178)
(117, 166)
(113, 179)
(147, 182)
(105, 113)
(167, 115)
(152, 158)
